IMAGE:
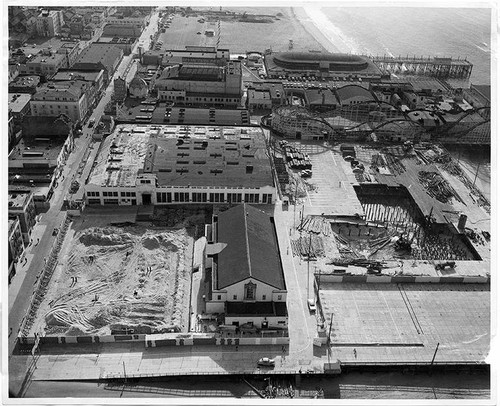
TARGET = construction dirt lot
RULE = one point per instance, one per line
(116, 277)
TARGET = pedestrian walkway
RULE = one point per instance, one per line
(113, 362)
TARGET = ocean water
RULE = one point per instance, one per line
(445, 32)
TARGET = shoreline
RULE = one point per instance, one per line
(331, 43)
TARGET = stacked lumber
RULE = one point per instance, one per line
(315, 224)
(308, 246)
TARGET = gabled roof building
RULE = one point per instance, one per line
(243, 256)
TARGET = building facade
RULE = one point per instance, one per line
(16, 245)
(69, 98)
(202, 85)
(22, 206)
(49, 23)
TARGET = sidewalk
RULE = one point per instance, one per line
(163, 361)
(22, 286)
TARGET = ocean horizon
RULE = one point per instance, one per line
(415, 31)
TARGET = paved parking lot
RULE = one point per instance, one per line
(404, 322)
(332, 179)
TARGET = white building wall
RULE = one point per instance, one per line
(263, 292)
(75, 110)
(152, 189)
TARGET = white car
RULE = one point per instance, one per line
(265, 362)
(311, 305)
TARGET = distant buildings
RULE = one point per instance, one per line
(124, 43)
(69, 98)
(46, 64)
(354, 94)
(120, 89)
(95, 78)
(247, 281)
(140, 21)
(22, 205)
(15, 246)
(265, 95)
(37, 160)
(49, 23)
(177, 164)
(24, 84)
(203, 85)
(19, 105)
(298, 123)
(321, 64)
(97, 57)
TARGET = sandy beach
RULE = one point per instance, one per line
(242, 37)
(316, 23)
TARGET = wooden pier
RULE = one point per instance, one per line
(430, 66)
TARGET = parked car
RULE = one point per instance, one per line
(311, 305)
(91, 122)
(266, 362)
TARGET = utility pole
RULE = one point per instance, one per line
(308, 261)
(475, 177)
(294, 206)
(434, 357)
(328, 340)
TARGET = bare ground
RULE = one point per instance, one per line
(117, 278)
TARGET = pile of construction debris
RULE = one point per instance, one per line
(310, 246)
(437, 187)
(388, 161)
(435, 154)
(454, 169)
(315, 224)
(344, 248)
(371, 265)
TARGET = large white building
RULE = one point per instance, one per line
(152, 164)
(247, 279)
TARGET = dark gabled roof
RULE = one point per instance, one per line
(252, 248)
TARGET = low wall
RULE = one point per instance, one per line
(399, 279)
(157, 340)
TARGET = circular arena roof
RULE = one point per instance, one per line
(309, 60)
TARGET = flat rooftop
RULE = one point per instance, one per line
(73, 74)
(162, 114)
(17, 199)
(39, 148)
(17, 101)
(184, 155)
(404, 322)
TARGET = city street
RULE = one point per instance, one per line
(23, 283)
